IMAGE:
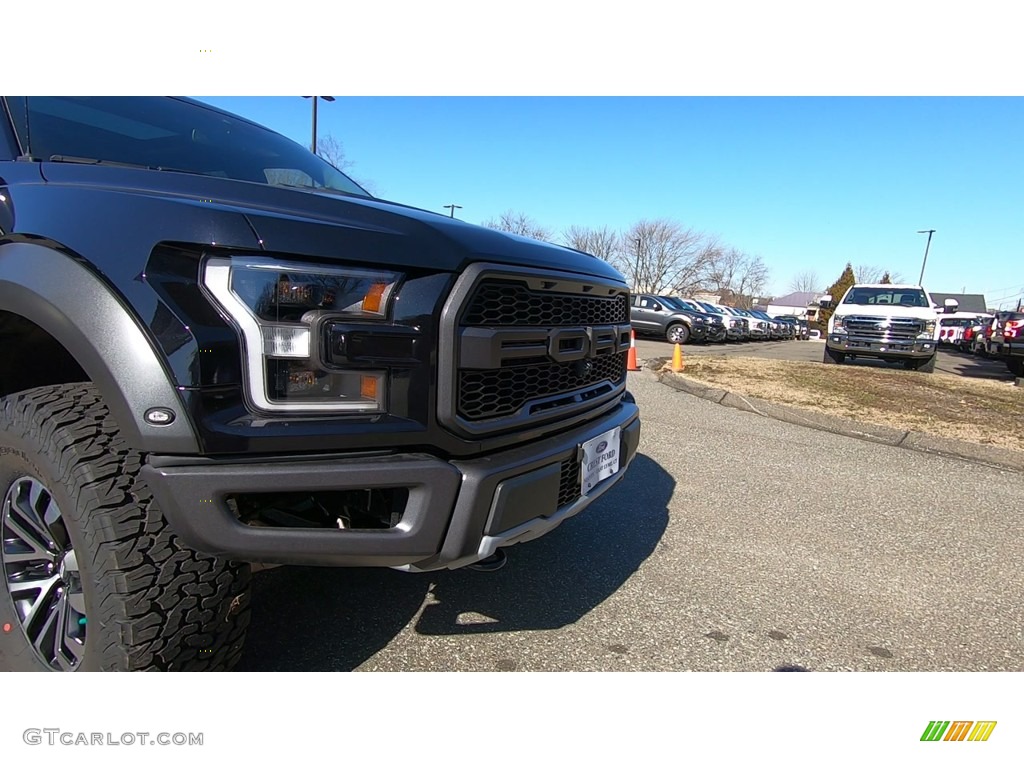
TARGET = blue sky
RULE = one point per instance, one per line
(806, 183)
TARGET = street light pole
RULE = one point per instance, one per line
(929, 232)
(453, 206)
(312, 147)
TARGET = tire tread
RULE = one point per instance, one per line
(164, 601)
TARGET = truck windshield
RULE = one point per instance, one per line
(167, 134)
(688, 305)
(904, 297)
(673, 303)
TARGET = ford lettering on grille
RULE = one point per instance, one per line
(488, 348)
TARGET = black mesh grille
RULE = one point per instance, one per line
(498, 302)
(490, 394)
(569, 484)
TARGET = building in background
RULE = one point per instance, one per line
(710, 298)
(969, 302)
(801, 303)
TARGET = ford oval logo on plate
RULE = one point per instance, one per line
(601, 446)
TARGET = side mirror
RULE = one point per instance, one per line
(825, 301)
(951, 305)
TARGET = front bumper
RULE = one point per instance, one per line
(717, 333)
(901, 348)
(1013, 347)
(456, 513)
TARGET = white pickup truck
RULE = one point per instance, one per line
(888, 322)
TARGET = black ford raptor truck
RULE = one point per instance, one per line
(216, 350)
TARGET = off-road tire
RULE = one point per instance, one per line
(677, 333)
(1016, 366)
(150, 602)
(828, 357)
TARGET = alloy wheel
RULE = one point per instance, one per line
(42, 574)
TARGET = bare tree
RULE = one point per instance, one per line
(741, 275)
(518, 224)
(872, 274)
(331, 150)
(868, 273)
(661, 255)
(805, 282)
(603, 242)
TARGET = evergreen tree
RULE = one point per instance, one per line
(837, 290)
(886, 279)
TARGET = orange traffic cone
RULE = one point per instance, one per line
(631, 356)
(677, 359)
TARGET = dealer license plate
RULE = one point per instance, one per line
(600, 459)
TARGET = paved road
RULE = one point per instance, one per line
(734, 543)
(952, 362)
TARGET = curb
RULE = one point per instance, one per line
(899, 438)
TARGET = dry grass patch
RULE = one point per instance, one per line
(984, 412)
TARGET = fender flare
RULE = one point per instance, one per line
(74, 306)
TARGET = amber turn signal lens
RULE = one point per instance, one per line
(368, 387)
(373, 297)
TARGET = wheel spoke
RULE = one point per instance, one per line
(39, 603)
(45, 638)
(24, 557)
(55, 525)
(29, 537)
(66, 646)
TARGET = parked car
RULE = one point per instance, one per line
(898, 323)
(744, 320)
(982, 343)
(715, 325)
(790, 327)
(953, 326)
(735, 326)
(760, 329)
(776, 330)
(653, 316)
(971, 330)
(800, 325)
(1009, 328)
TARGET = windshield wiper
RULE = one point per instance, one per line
(116, 164)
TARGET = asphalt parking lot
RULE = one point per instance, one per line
(735, 542)
(950, 361)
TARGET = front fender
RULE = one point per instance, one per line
(76, 308)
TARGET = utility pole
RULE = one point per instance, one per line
(312, 146)
(453, 206)
(929, 232)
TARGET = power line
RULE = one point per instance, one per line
(1000, 288)
(1001, 298)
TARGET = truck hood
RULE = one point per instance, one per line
(300, 222)
(885, 310)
